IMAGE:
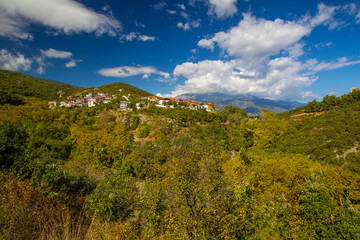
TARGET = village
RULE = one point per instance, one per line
(90, 100)
(94, 99)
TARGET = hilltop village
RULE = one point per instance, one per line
(94, 99)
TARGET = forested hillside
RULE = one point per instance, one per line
(15, 85)
(99, 173)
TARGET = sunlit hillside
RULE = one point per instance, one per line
(155, 173)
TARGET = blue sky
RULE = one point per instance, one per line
(285, 50)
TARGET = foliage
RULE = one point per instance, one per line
(143, 132)
(6, 98)
(330, 102)
(25, 85)
(12, 141)
(97, 173)
(113, 199)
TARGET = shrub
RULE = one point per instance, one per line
(143, 132)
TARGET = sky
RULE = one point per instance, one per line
(282, 50)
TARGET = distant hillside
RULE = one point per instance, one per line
(118, 88)
(253, 105)
(15, 85)
(19, 84)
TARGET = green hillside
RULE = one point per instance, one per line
(120, 88)
(156, 173)
(19, 84)
(14, 87)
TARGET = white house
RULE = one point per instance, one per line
(124, 105)
(92, 102)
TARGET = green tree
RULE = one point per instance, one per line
(12, 140)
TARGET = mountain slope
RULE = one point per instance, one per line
(253, 105)
(119, 88)
(14, 83)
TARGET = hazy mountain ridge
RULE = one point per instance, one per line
(253, 105)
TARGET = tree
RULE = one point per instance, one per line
(12, 140)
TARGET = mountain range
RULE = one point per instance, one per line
(253, 105)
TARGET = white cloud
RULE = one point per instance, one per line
(63, 16)
(126, 71)
(358, 17)
(256, 67)
(159, 6)
(145, 76)
(52, 53)
(296, 50)
(182, 6)
(163, 95)
(146, 38)
(42, 60)
(72, 63)
(136, 36)
(222, 8)
(173, 12)
(325, 16)
(40, 70)
(189, 25)
(185, 15)
(339, 63)
(13, 28)
(257, 37)
(139, 24)
(280, 78)
(128, 37)
(14, 61)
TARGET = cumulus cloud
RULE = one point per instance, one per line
(189, 25)
(42, 60)
(222, 8)
(14, 61)
(63, 16)
(280, 78)
(254, 37)
(72, 63)
(256, 66)
(52, 53)
(136, 36)
(126, 71)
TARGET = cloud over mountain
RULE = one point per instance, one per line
(266, 58)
